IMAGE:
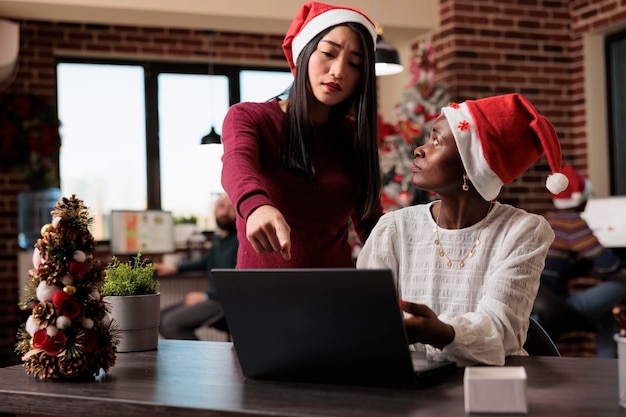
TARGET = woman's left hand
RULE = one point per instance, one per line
(423, 326)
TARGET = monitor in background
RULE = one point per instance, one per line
(605, 217)
(146, 232)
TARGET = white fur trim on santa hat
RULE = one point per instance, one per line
(486, 182)
(325, 20)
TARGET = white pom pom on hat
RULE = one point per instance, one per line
(499, 138)
(315, 17)
(575, 193)
(556, 183)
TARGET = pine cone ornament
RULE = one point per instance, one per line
(44, 314)
(41, 365)
(72, 367)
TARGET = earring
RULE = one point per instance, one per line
(465, 187)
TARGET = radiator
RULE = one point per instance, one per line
(173, 289)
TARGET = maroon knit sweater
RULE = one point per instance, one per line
(318, 214)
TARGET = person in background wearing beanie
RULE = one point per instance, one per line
(467, 267)
(575, 252)
(298, 170)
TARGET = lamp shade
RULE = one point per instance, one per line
(213, 138)
(387, 58)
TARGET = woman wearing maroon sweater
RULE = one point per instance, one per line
(299, 170)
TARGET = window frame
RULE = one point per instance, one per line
(615, 123)
(152, 70)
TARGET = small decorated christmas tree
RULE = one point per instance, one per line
(69, 333)
(423, 96)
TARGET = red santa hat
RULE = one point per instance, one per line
(499, 138)
(577, 192)
(312, 19)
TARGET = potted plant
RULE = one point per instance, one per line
(131, 291)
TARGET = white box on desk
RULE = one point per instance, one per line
(495, 389)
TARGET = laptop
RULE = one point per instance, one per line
(331, 326)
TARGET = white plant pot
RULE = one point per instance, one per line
(138, 318)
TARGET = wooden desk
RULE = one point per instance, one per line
(190, 378)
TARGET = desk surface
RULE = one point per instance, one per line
(189, 378)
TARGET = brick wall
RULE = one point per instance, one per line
(532, 47)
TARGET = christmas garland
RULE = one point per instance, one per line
(29, 138)
(69, 332)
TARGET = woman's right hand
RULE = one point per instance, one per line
(268, 231)
(423, 326)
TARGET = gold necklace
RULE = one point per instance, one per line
(470, 253)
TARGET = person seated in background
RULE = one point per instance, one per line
(198, 309)
(576, 252)
(467, 267)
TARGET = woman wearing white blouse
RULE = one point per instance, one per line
(467, 267)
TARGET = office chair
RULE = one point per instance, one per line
(538, 342)
(557, 316)
(571, 331)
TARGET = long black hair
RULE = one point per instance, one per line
(362, 105)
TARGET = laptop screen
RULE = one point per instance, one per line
(341, 326)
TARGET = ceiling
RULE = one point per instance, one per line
(400, 19)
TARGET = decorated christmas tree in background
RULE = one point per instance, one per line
(69, 333)
(423, 98)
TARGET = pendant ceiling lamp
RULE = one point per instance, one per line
(211, 138)
(387, 57)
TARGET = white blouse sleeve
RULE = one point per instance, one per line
(378, 251)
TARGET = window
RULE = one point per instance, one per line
(262, 85)
(131, 133)
(190, 176)
(616, 93)
(102, 159)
